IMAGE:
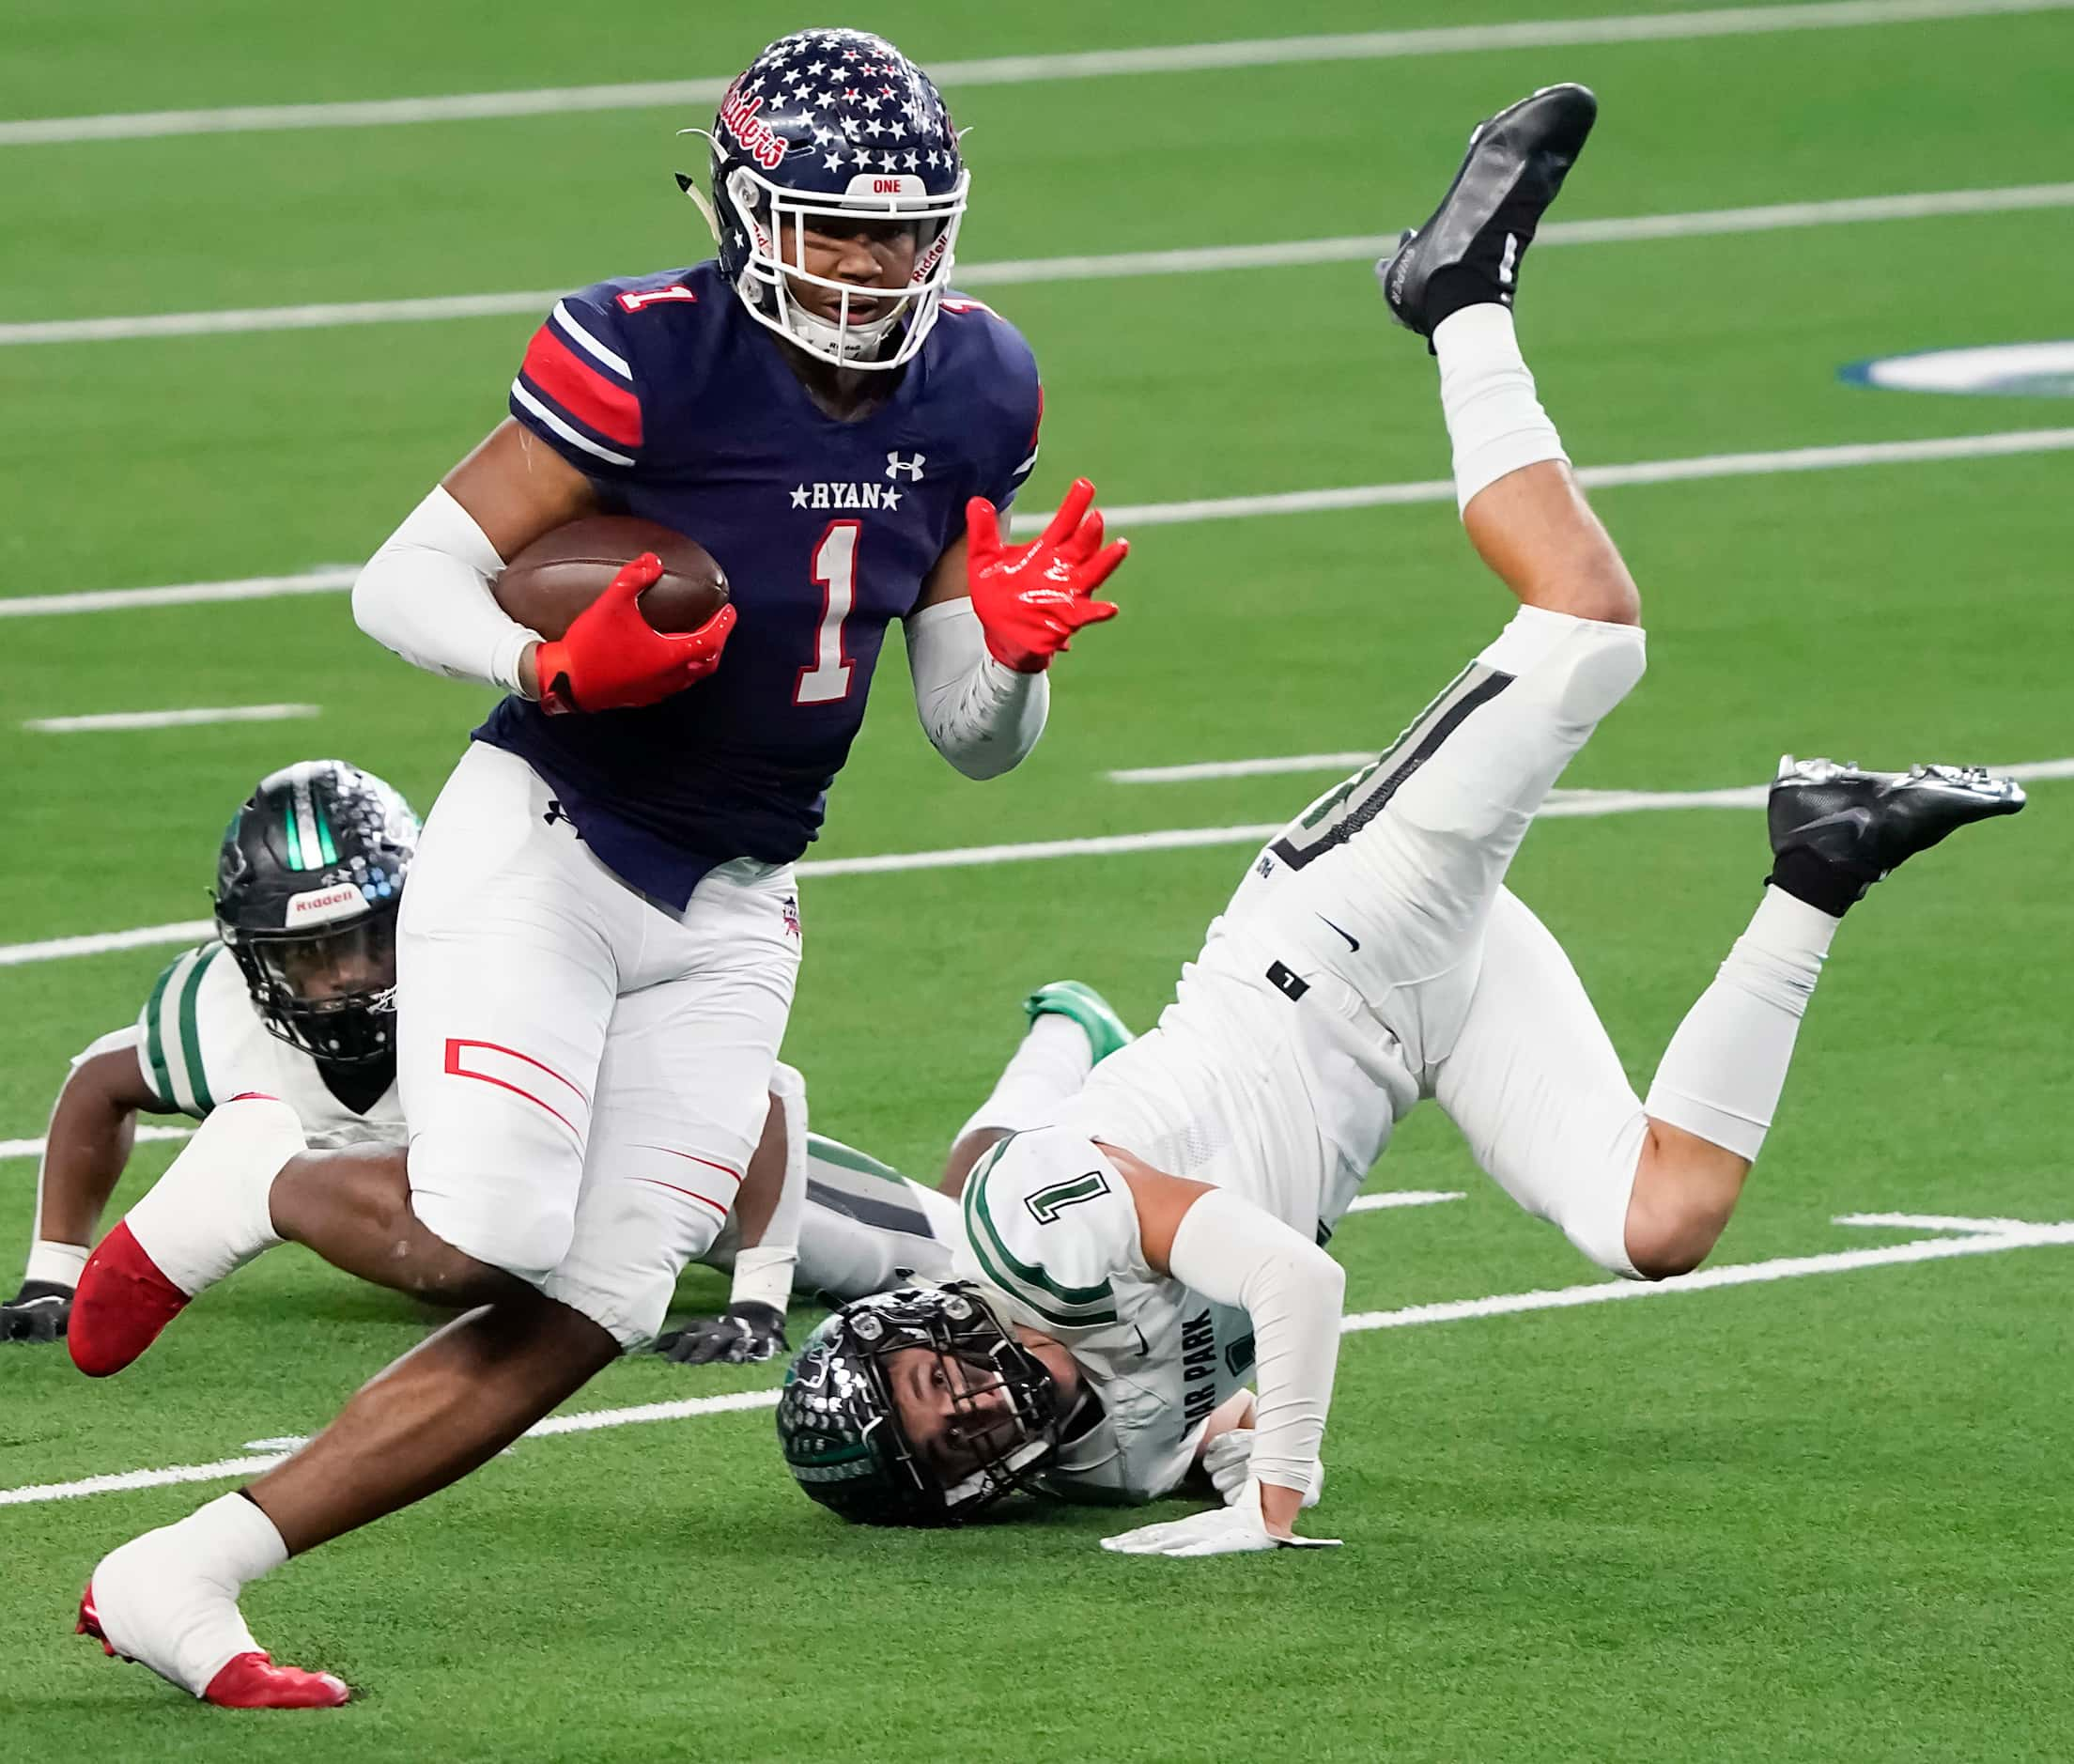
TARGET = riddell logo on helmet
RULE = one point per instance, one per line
(322, 905)
(753, 135)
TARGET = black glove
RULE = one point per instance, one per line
(39, 1312)
(746, 1332)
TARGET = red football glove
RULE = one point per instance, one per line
(612, 659)
(1031, 599)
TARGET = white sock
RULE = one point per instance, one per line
(1052, 1065)
(169, 1599)
(1722, 1073)
(1495, 421)
(56, 1264)
(210, 1212)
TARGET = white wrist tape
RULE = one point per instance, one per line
(1234, 1253)
(979, 716)
(762, 1275)
(425, 594)
(764, 1270)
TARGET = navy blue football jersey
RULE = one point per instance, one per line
(682, 410)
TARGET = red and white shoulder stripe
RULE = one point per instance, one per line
(579, 389)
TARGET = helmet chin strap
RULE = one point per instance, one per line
(847, 342)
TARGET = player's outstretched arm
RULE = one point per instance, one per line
(92, 1129)
(1235, 1253)
(991, 618)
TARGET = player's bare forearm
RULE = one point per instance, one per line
(92, 1129)
(516, 487)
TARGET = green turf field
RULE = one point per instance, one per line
(1808, 1518)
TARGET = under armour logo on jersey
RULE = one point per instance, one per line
(895, 465)
(555, 812)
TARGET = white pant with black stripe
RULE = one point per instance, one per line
(1372, 956)
(864, 1227)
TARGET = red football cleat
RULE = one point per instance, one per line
(121, 1304)
(249, 1680)
(89, 1622)
(254, 1681)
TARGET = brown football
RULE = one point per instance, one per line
(563, 571)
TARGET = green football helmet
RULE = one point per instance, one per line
(308, 880)
(841, 1428)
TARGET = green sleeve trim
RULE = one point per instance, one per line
(848, 1157)
(197, 1074)
(154, 1036)
(1084, 1306)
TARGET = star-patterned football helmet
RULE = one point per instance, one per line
(835, 125)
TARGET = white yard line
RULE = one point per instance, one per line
(1930, 1222)
(1785, 461)
(2006, 443)
(105, 942)
(1562, 805)
(33, 1148)
(1390, 1197)
(2022, 1236)
(1360, 248)
(1241, 769)
(1561, 802)
(315, 316)
(326, 580)
(1025, 69)
(168, 718)
(2019, 1235)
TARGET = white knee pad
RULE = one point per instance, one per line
(1593, 1212)
(503, 1224)
(1589, 667)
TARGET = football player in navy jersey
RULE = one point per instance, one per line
(598, 951)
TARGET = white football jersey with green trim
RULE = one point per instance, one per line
(1061, 1255)
(201, 1041)
(1235, 1086)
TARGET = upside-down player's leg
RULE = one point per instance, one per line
(1073, 1029)
(865, 1228)
(1385, 883)
(1526, 1069)
(1536, 1089)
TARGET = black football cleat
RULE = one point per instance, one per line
(1468, 252)
(1842, 830)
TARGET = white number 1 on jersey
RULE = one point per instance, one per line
(835, 570)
